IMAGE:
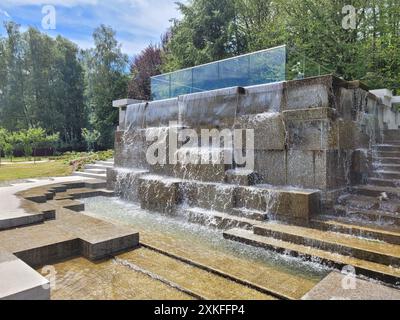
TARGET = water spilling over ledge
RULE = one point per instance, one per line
(315, 144)
(310, 142)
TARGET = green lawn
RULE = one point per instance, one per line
(25, 171)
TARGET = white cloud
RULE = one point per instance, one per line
(4, 13)
(63, 3)
(137, 22)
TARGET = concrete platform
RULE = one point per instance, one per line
(11, 220)
(374, 270)
(19, 281)
(332, 288)
(59, 232)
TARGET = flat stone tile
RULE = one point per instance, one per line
(337, 286)
(20, 282)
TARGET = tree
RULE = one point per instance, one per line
(34, 138)
(11, 143)
(145, 65)
(25, 140)
(106, 81)
(41, 84)
(37, 136)
(15, 113)
(3, 141)
(91, 138)
(312, 29)
(208, 31)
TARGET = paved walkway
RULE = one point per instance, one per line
(70, 235)
(25, 162)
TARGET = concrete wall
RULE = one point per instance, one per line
(315, 133)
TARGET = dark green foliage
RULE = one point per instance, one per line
(211, 30)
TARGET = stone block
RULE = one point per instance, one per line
(346, 102)
(307, 169)
(159, 193)
(135, 116)
(97, 249)
(282, 204)
(269, 130)
(214, 197)
(21, 282)
(201, 172)
(251, 198)
(215, 108)
(338, 167)
(160, 113)
(300, 170)
(310, 114)
(271, 166)
(261, 98)
(242, 177)
(361, 166)
(311, 135)
(125, 182)
(310, 93)
(53, 253)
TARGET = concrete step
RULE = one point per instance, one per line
(387, 147)
(188, 277)
(242, 177)
(392, 134)
(388, 220)
(96, 171)
(370, 203)
(384, 182)
(19, 281)
(98, 166)
(373, 203)
(389, 175)
(359, 202)
(16, 220)
(250, 214)
(69, 204)
(377, 191)
(373, 251)
(370, 269)
(387, 154)
(395, 142)
(353, 228)
(82, 193)
(105, 163)
(387, 160)
(90, 175)
(218, 220)
(388, 167)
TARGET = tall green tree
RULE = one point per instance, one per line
(15, 112)
(107, 80)
(41, 84)
(208, 31)
(312, 29)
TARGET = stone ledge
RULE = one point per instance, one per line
(19, 281)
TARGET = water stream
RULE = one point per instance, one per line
(211, 241)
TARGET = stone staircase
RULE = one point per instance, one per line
(363, 230)
(98, 170)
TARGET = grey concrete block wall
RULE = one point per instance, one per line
(309, 133)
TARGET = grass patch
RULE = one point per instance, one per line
(39, 170)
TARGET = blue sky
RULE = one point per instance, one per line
(137, 22)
